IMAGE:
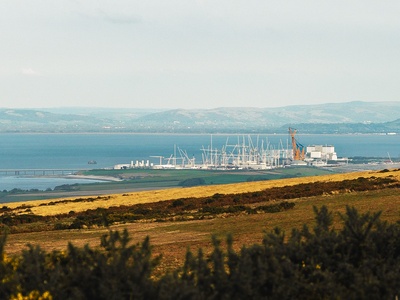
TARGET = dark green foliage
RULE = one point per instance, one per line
(78, 223)
(192, 182)
(8, 278)
(361, 261)
(5, 209)
(141, 210)
(11, 219)
(117, 271)
(217, 196)
(213, 210)
(236, 198)
(67, 187)
(61, 226)
(177, 203)
(273, 208)
(209, 200)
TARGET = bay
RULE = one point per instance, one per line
(39, 183)
(74, 151)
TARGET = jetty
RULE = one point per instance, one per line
(42, 172)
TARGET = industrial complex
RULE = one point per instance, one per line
(245, 154)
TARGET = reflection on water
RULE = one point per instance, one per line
(41, 183)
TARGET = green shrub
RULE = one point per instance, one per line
(177, 203)
(273, 208)
(209, 201)
(236, 198)
(192, 182)
(61, 226)
(359, 261)
(217, 196)
(142, 211)
(213, 210)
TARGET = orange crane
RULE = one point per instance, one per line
(298, 149)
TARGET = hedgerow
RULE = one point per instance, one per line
(360, 261)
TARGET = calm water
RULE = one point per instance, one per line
(73, 151)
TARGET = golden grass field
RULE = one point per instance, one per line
(176, 193)
(171, 239)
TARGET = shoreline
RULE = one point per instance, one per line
(121, 188)
(92, 177)
(60, 195)
(69, 176)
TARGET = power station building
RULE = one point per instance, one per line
(320, 152)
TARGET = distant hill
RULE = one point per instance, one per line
(28, 120)
(351, 112)
(363, 117)
(256, 119)
(104, 113)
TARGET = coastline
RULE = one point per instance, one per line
(106, 187)
(92, 177)
(115, 197)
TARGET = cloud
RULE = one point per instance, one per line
(117, 18)
(29, 72)
(121, 18)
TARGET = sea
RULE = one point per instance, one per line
(75, 151)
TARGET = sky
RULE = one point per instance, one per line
(197, 53)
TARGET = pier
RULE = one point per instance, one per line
(41, 172)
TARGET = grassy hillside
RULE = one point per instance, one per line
(172, 237)
(66, 205)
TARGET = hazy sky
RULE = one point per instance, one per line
(197, 54)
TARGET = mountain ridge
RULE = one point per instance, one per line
(348, 117)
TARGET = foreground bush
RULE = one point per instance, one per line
(116, 271)
(361, 261)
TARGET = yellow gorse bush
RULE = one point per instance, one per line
(33, 295)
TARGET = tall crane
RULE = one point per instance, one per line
(298, 149)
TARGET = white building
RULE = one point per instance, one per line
(320, 152)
